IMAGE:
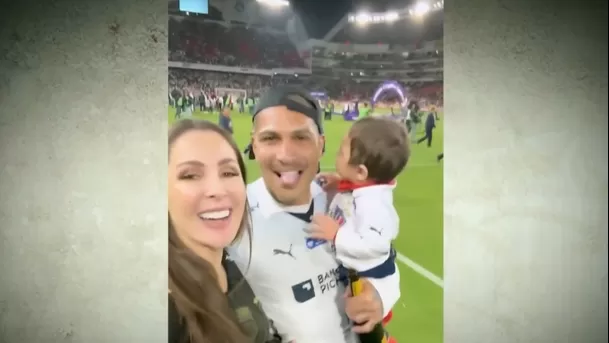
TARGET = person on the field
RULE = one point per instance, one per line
(208, 103)
(248, 151)
(202, 101)
(185, 105)
(191, 99)
(365, 111)
(328, 111)
(430, 125)
(362, 222)
(415, 119)
(225, 120)
(295, 276)
(179, 107)
(241, 102)
(435, 113)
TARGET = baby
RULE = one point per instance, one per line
(362, 221)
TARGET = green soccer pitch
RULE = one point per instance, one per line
(418, 315)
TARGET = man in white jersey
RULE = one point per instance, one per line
(295, 277)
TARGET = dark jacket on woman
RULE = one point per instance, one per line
(247, 309)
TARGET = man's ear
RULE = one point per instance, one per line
(322, 144)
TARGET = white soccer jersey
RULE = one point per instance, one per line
(369, 224)
(294, 277)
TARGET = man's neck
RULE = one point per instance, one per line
(305, 199)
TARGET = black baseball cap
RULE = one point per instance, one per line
(295, 98)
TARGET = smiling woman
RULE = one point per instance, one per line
(209, 301)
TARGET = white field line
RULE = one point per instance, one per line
(420, 270)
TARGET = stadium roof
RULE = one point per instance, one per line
(323, 19)
(329, 19)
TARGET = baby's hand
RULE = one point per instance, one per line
(323, 227)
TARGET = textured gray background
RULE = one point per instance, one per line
(83, 248)
(525, 183)
(82, 188)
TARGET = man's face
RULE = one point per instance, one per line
(288, 147)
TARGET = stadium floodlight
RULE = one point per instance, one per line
(392, 16)
(363, 18)
(274, 3)
(421, 9)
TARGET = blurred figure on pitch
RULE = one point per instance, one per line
(430, 125)
(225, 121)
(241, 102)
(248, 151)
(179, 106)
(172, 101)
(365, 111)
(202, 101)
(415, 119)
(191, 99)
(328, 111)
(250, 105)
(435, 112)
(208, 103)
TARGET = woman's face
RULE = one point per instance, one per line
(206, 190)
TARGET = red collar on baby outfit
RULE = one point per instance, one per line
(348, 186)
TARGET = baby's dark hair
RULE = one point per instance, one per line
(381, 145)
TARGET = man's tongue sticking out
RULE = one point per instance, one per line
(289, 178)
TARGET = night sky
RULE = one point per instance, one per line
(319, 16)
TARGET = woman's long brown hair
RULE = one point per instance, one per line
(193, 284)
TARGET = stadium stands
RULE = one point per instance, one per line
(350, 62)
(196, 41)
(195, 81)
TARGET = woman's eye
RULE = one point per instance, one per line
(230, 174)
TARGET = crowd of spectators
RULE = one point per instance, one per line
(193, 40)
(211, 42)
(195, 81)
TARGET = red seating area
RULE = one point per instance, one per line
(197, 41)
